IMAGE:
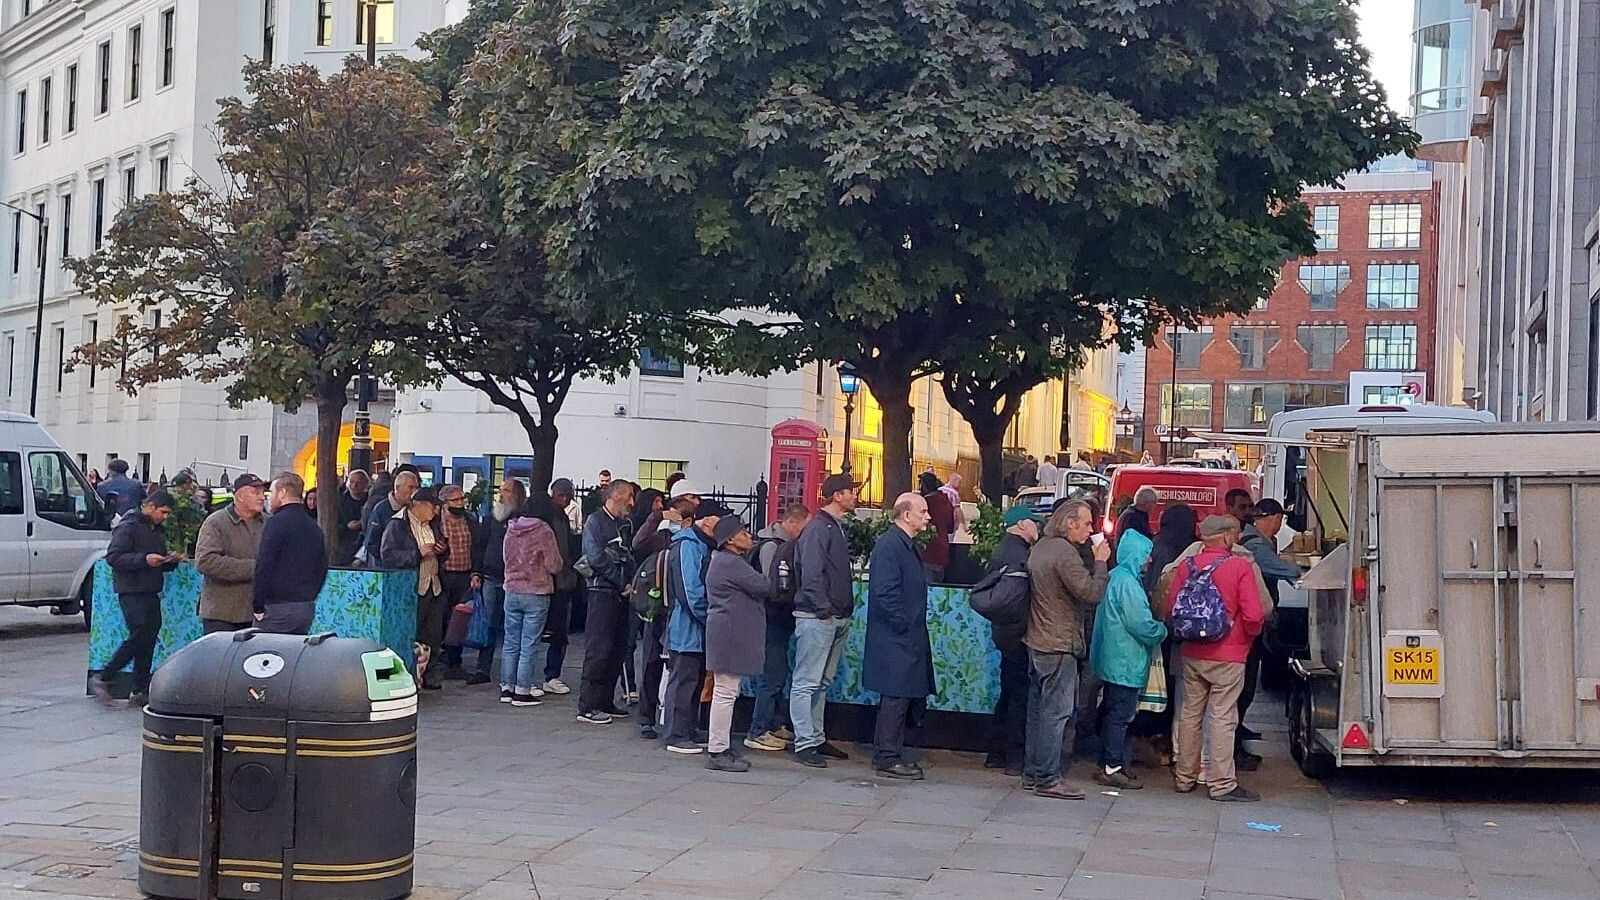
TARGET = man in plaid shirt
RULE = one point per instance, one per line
(462, 569)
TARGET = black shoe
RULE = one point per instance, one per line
(620, 714)
(901, 771)
(455, 673)
(138, 700)
(101, 689)
(994, 761)
(810, 757)
(1237, 795)
(726, 761)
(1245, 761)
(1247, 734)
(648, 732)
(477, 678)
(829, 751)
(1014, 770)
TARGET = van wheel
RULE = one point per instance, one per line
(1313, 762)
(86, 601)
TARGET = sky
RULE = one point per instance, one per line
(1386, 32)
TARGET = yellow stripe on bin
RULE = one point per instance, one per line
(255, 738)
(347, 754)
(251, 863)
(192, 873)
(269, 751)
(192, 863)
(185, 738)
(174, 748)
(377, 876)
(264, 876)
(335, 742)
(353, 867)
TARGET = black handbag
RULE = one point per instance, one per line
(1002, 596)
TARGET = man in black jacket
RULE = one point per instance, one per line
(139, 560)
(608, 557)
(405, 486)
(352, 499)
(823, 606)
(1008, 728)
(508, 504)
(412, 539)
(291, 562)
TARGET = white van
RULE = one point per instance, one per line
(52, 526)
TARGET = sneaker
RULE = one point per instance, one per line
(688, 748)
(1237, 795)
(1061, 790)
(811, 758)
(595, 717)
(1119, 779)
(1247, 734)
(768, 741)
(505, 695)
(1028, 784)
(477, 678)
(138, 700)
(901, 771)
(1245, 761)
(524, 700)
(1014, 770)
(455, 673)
(994, 761)
(648, 732)
(1184, 788)
(556, 686)
(829, 751)
(102, 691)
(630, 698)
(615, 712)
(783, 733)
(727, 762)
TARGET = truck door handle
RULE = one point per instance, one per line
(30, 529)
(1472, 555)
(1538, 553)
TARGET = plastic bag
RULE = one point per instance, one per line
(480, 631)
(1154, 696)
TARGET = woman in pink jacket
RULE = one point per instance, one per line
(532, 561)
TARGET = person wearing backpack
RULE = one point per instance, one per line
(1217, 609)
(775, 559)
(650, 545)
(687, 562)
(1008, 726)
(1125, 635)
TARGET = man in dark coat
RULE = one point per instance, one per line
(1008, 728)
(139, 561)
(898, 662)
(291, 563)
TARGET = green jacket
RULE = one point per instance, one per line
(1124, 629)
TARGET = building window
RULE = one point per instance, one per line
(46, 90)
(1321, 343)
(1325, 219)
(1323, 283)
(1386, 395)
(1391, 348)
(99, 212)
(72, 99)
(1393, 285)
(11, 364)
(1394, 226)
(94, 350)
(1538, 353)
(163, 171)
(659, 364)
(169, 25)
(1194, 405)
(135, 61)
(59, 333)
(16, 243)
(653, 473)
(40, 251)
(123, 325)
(102, 103)
(22, 120)
(385, 29)
(1190, 344)
(66, 226)
(269, 29)
(1594, 358)
(324, 23)
(1253, 342)
(130, 185)
(1252, 405)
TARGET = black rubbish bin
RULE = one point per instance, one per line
(279, 767)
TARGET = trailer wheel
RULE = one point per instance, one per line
(1313, 762)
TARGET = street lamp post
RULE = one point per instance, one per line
(849, 383)
(1172, 398)
(38, 312)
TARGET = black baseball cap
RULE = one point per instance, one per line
(248, 480)
(159, 499)
(1267, 506)
(425, 495)
(833, 484)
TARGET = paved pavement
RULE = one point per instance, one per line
(527, 803)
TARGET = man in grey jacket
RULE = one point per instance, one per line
(225, 554)
(823, 605)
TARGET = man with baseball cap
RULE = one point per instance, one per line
(139, 561)
(823, 605)
(1212, 672)
(225, 554)
(1008, 726)
(1260, 537)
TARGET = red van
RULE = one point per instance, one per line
(1206, 490)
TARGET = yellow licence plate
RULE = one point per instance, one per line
(1413, 665)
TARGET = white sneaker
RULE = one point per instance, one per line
(556, 686)
(538, 694)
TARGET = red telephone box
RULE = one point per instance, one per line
(799, 460)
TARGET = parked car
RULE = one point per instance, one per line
(1201, 487)
(53, 527)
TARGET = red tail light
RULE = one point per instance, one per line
(1358, 586)
(1356, 739)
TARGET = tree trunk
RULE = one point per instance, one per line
(991, 447)
(542, 440)
(331, 400)
(892, 390)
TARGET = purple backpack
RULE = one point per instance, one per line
(1199, 614)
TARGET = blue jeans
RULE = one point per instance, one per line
(818, 644)
(525, 615)
(494, 594)
(1052, 698)
(1121, 703)
(772, 685)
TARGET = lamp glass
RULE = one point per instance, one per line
(848, 382)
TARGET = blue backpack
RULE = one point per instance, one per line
(1199, 614)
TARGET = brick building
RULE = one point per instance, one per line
(1353, 323)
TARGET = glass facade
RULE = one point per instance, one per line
(1194, 405)
(1323, 283)
(1393, 286)
(1441, 77)
(1251, 405)
(1391, 348)
(1253, 342)
(1394, 226)
(1321, 343)
(1325, 219)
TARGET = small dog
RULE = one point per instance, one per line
(423, 653)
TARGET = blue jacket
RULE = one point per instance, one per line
(686, 589)
(898, 660)
(1124, 629)
(291, 561)
(128, 493)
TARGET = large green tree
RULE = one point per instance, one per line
(301, 264)
(863, 169)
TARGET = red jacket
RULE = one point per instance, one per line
(1237, 583)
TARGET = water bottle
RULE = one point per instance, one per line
(783, 575)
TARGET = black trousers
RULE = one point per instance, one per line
(457, 587)
(142, 613)
(686, 677)
(1008, 730)
(557, 629)
(889, 739)
(212, 626)
(652, 666)
(605, 643)
(1252, 674)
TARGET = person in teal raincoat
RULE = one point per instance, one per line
(1125, 634)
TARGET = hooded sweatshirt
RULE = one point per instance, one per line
(1124, 630)
(532, 557)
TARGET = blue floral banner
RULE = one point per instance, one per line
(966, 665)
(379, 606)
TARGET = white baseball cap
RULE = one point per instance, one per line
(684, 488)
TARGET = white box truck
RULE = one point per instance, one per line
(1455, 609)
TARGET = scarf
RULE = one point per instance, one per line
(428, 571)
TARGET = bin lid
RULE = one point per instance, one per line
(280, 676)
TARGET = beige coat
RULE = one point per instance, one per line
(1065, 591)
(225, 554)
(1158, 602)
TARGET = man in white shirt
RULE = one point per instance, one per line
(1049, 475)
